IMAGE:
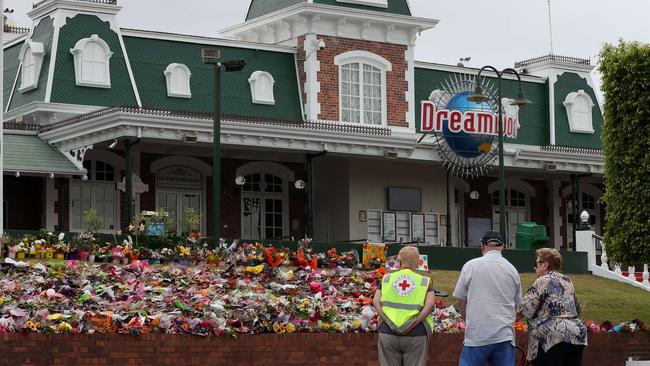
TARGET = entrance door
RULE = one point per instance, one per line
(98, 196)
(588, 203)
(176, 204)
(513, 217)
(262, 217)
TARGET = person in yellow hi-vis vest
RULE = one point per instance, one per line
(404, 301)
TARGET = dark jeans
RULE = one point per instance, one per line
(562, 354)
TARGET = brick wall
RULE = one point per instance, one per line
(266, 349)
(328, 76)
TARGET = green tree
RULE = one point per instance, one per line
(626, 143)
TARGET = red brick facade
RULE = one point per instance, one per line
(265, 349)
(328, 77)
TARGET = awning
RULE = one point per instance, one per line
(28, 154)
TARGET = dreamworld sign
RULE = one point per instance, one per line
(478, 119)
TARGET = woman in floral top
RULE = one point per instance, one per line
(556, 336)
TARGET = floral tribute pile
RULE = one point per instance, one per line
(248, 291)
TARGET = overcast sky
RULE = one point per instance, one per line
(496, 32)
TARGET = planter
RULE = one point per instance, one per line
(49, 255)
(116, 261)
(91, 259)
(20, 255)
(11, 255)
(154, 261)
(183, 262)
(59, 256)
(125, 260)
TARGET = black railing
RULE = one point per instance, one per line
(18, 30)
(109, 2)
(312, 125)
(554, 58)
(572, 150)
(22, 126)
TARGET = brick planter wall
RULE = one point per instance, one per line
(265, 349)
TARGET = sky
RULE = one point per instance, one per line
(491, 32)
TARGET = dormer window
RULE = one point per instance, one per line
(178, 81)
(31, 56)
(578, 108)
(261, 83)
(377, 3)
(362, 87)
(92, 62)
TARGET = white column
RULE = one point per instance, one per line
(585, 243)
(51, 197)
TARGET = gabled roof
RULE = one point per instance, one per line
(258, 8)
(27, 153)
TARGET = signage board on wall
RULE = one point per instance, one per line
(179, 177)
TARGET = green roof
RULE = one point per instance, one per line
(43, 33)
(259, 8)
(29, 154)
(11, 64)
(534, 118)
(567, 83)
(150, 57)
(64, 88)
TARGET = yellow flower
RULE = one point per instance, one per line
(65, 327)
(338, 326)
(278, 328)
(356, 324)
(290, 328)
(182, 251)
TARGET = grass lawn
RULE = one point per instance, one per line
(600, 299)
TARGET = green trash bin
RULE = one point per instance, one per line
(530, 235)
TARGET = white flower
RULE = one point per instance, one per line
(61, 236)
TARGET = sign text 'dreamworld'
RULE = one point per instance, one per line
(471, 121)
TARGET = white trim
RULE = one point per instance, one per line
(109, 157)
(266, 167)
(11, 96)
(552, 79)
(300, 91)
(591, 189)
(186, 90)
(139, 33)
(376, 3)
(374, 60)
(262, 79)
(188, 161)
(474, 71)
(307, 9)
(56, 23)
(17, 40)
(38, 54)
(62, 108)
(77, 52)
(312, 85)
(569, 103)
(410, 92)
(128, 66)
(78, 6)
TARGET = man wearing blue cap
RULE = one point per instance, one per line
(489, 295)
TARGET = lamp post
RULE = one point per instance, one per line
(2, 120)
(520, 101)
(212, 56)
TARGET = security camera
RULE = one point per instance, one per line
(321, 44)
(112, 145)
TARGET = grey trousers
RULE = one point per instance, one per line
(402, 351)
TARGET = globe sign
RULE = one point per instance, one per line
(462, 143)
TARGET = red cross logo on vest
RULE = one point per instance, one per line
(404, 285)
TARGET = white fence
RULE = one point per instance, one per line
(588, 241)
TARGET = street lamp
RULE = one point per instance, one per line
(520, 101)
(212, 56)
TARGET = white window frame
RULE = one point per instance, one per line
(579, 122)
(176, 70)
(364, 58)
(376, 3)
(94, 184)
(35, 53)
(78, 53)
(260, 82)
